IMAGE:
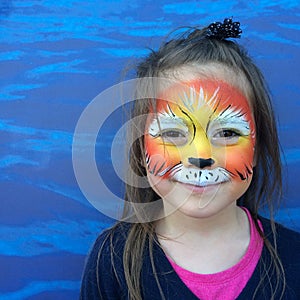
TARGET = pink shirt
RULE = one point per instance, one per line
(228, 284)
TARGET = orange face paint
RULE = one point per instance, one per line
(203, 133)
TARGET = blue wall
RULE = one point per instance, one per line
(56, 56)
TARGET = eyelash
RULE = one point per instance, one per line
(221, 137)
(225, 137)
(235, 133)
(174, 136)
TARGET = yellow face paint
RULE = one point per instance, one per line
(203, 133)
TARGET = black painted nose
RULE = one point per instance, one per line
(200, 162)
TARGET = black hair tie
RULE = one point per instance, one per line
(221, 31)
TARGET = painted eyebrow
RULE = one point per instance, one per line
(165, 121)
(194, 126)
(200, 98)
(232, 118)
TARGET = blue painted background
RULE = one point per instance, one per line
(56, 56)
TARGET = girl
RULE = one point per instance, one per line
(209, 151)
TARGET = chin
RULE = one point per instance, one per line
(199, 202)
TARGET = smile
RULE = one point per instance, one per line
(201, 178)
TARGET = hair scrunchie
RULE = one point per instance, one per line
(221, 31)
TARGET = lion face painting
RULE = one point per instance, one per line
(202, 134)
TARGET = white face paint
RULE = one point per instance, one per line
(199, 177)
(165, 122)
(200, 144)
(229, 120)
(207, 120)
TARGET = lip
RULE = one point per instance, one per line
(201, 189)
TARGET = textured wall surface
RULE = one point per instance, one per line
(56, 56)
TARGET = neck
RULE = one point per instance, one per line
(179, 226)
(205, 245)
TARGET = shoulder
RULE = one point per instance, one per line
(288, 250)
(103, 274)
(113, 238)
(287, 239)
(109, 245)
(288, 236)
(288, 245)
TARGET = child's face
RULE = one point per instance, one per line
(200, 141)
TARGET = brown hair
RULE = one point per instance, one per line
(193, 47)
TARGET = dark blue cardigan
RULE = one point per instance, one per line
(112, 287)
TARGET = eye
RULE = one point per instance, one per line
(225, 137)
(174, 136)
(226, 133)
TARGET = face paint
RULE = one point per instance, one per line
(202, 134)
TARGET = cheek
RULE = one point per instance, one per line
(159, 185)
(160, 158)
(239, 160)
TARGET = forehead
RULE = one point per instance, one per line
(202, 94)
(211, 71)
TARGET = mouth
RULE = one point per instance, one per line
(195, 178)
(202, 185)
(197, 188)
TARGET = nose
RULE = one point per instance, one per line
(200, 162)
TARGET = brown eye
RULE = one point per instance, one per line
(227, 134)
(175, 137)
(172, 134)
(225, 137)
